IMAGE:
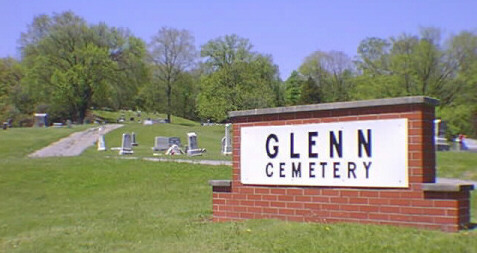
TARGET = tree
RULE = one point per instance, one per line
(11, 74)
(310, 93)
(172, 52)
(332, 72)
(293, 88)
(184, 99)
(461, 113)
(410, 65)
(235, 78)
(71, 66)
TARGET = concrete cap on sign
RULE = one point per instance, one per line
(338, 105)
(220, 182)
(448, 185)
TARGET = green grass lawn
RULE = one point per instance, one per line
(461, 165)
(95, 204)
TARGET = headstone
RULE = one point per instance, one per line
(164, 143)
(192, 147)
(126, 145)
(227, 141)
(161, 143)
(101, 143)
(133, 136)
(41, 120)
(175, 141)
(440, 141)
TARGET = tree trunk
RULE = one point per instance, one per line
(169, 102)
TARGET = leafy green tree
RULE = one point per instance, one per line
(172, 52)
(184, 98)
(332, 72)
(71, 66)
(235, 78)
(410, 65)
(11, 74)
(405, 66)
(293, 86)
(461, 113)
(310, 93)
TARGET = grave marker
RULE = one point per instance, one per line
(126, 145)
(101, 143)
(227, 141)
(41, 120)
(161, 143)
(192, 146)
(133, 136)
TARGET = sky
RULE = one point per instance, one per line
(288, 30)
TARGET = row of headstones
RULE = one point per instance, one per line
(171, 144)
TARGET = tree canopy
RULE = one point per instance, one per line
(235, 78)
(68, 66)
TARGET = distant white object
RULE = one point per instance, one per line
(192, 147)
(101, 143)
(227, 141)
(174, 150)
(126, 145)
(148, 122)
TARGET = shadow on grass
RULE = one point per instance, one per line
(185, 124)
(471, 226)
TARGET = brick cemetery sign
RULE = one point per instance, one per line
(366, 161)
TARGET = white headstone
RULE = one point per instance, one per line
(101, 143)
(227, 141)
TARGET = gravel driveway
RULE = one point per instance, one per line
(74, 144)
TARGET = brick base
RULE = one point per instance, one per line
(420, 205)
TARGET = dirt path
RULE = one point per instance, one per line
(74, 144)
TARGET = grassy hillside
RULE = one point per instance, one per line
(95, 204)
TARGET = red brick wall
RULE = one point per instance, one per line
(448, 211)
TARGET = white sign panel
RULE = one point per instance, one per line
(350, 154)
